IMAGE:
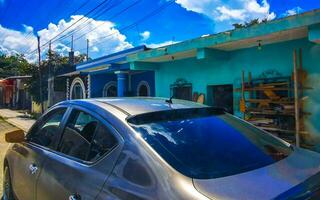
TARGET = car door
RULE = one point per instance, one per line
(26, 165)
(88, 150)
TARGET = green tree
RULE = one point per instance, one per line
(13, 65)
(249, 24)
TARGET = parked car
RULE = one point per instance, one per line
(152, 148)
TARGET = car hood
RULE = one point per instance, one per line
(268, 182)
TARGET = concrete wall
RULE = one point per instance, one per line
(276, 57)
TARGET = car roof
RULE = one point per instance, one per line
(141, 105)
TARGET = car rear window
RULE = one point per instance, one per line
(207, 143)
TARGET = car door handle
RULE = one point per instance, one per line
(33, 168)
(75, 197)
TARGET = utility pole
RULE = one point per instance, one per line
(40, 75)
(72, 43)
(87, 49)
(71, 53)
(50, 78)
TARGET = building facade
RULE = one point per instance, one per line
(243, 69)
(109, 76)
(13, 92)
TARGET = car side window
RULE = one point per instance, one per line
(85, 138)
(103, 142)
(47, 131)
(77, 135)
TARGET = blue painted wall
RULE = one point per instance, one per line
(147, 76)
(98, 81)
(278, 57)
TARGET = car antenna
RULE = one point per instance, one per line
(169, 101)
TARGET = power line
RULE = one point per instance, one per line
(133, 25)
(30, 34)
(5, 13)
(53, 39)
(81, 6)
(88, 13)
(112, 17)
(6, 10)
(87, 22)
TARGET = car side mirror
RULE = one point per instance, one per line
(15, 136)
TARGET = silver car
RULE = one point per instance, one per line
(152, 148)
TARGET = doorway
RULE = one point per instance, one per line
(221, 96)
(181, 89)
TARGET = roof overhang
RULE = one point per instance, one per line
(306, 25)
(74, 73)
(18, 77)
(104, 63)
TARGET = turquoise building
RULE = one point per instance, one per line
(213, 65)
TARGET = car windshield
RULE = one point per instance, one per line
(208, 143)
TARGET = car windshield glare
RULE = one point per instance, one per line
(206, 143)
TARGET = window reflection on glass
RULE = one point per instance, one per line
(85, 138)
(209, 146)
(45, 134)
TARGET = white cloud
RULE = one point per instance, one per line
(95, 49)
(145, 35)
(114, 41)
(13, 41)
(227, 12)
(156, 45)
(293, 11)
(28, 29)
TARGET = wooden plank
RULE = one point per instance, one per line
(269, 101)
(268, 88)
(242, 94)
(275, 84)
(281, 130)
(250, 84)
(296, 99)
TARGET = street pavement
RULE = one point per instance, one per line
(17, 118)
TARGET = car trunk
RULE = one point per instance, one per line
(294, 176)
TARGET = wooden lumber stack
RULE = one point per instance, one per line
(276, 104)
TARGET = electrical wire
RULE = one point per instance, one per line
(30, 34)
(133, 25)
(56, 36)
(112, 17)
(87, 22)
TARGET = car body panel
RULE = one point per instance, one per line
(264, 183)
(20, 158)
(80, 178)
(135, 171)
(69, 177)
(141, 174)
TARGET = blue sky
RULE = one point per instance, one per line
(22, 20)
